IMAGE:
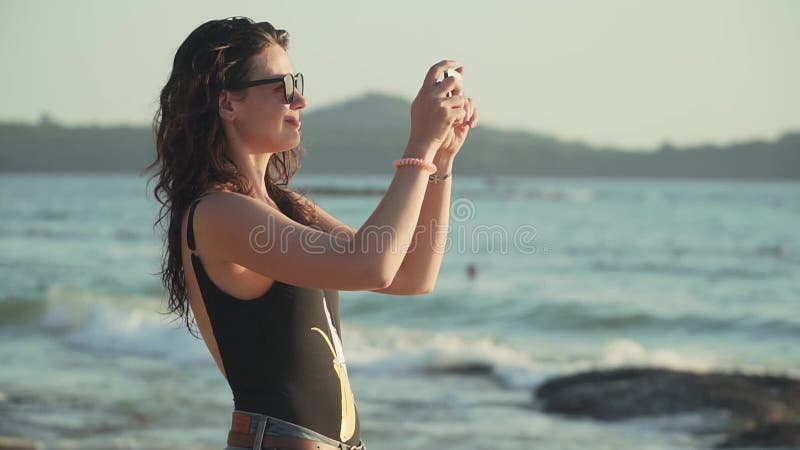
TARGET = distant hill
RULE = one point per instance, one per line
(364, 134)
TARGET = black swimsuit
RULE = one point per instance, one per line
(282, 352)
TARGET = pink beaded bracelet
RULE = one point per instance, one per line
(415, 162)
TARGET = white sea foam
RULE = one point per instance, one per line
(626, 352)
(397, 349)
(129, 325)
(140, 332)
(389, 350)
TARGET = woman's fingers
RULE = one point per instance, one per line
(447, 85)
(465, 111)
(456, 107)
(456, 101)
(475, 115)
(470, 110)
(437, 70)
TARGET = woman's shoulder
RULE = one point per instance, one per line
(217, 188)
(222, 195)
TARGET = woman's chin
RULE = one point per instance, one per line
(290, 144)
(296, 138)
(289, 139)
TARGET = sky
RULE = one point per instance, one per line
(626, 73)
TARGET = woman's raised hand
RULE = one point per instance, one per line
(458, 133)
(432, 112)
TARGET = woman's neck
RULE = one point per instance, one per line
(254, 168)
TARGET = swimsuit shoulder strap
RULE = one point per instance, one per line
(190, 225)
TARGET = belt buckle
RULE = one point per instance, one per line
(343, 446)
(259, 437)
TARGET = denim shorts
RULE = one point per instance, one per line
(278, 427)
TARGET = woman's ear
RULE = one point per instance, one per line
(225, 107)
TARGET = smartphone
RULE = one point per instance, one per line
(451, 73)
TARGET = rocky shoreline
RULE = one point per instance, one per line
(760, 411)
(746, 410)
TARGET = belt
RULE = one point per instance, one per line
(239, 437)
(285, 442)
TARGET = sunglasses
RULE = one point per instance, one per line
(291, 83)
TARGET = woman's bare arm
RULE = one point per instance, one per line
(420, 267)
(257, 236)
(237, 228)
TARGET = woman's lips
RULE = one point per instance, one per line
(293, 121)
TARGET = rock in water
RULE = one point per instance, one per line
(763, 411)
(11, 443)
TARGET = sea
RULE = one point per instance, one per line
(542, 277)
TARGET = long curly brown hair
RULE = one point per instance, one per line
(190, 141)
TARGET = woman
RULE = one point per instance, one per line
(257, 266)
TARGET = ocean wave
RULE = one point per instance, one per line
(765, 251)
(128, 235)
(18, 311)
(140, 332)
(605, 317)
(104, 322)
(682, 269)
(55, 215)
(55, 232)
(391, 350)
(132, 325)
(50, 232)
(628, 352)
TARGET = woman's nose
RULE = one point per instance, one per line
(299, 101)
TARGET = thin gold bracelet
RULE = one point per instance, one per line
(433, 178)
